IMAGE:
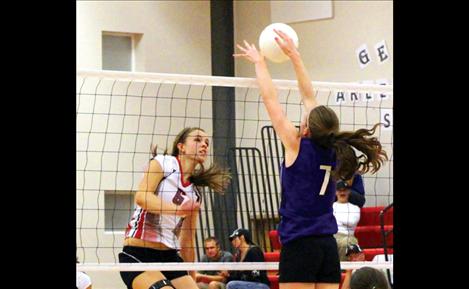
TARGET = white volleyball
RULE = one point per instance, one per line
(269, 47)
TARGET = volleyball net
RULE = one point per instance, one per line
(121, 114)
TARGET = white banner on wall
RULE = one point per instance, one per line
(382, 81)
(386, 119)
(381, 52)
(342, 97)
(368, 96)
(363, 56)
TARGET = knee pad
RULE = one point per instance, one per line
(161, 284)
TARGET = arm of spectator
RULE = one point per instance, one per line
(357, 191)
(356, 199)
(209, 278)
(357, 184)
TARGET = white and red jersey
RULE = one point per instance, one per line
(163, 228)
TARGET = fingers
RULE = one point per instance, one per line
(284, 36)
(241, 48)
(280, 43)
(240, 54)
(250, 46)
(281, 34)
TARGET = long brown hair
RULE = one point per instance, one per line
(215, 177)
(324, 130)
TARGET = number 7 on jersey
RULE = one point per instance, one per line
(327, 176)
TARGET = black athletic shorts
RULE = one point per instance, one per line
(313, 259)
(132, 254)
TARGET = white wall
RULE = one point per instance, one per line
(327, 46)
(176, 34)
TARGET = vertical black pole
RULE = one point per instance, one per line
(223, 107)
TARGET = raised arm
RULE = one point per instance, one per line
(284, 128)
(304, 82)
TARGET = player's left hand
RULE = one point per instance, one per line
(250, 52)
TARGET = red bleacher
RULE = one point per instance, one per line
(368, 233)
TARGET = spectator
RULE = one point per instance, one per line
(213, 253)
(347, 216)
(354, 253)
(247, 251)
(380, 258)
(365, 278)
(83, 280)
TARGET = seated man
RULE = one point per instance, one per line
(347, 216)
(213, 253)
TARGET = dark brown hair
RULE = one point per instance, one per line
(215, 177)
(324, 130)
(368, 278)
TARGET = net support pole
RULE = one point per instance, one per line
(223, 110)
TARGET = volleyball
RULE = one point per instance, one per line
(267, 45)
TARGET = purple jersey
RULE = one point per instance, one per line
(306, 207)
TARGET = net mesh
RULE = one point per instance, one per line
(119, 115)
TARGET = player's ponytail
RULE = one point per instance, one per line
(215, 177)
(324, 130)
(370, 153)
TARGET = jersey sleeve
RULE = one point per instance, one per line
(167, 163)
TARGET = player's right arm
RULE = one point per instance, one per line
(146, 197)
(284, 128)
(304, 82)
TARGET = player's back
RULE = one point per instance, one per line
(305, 209)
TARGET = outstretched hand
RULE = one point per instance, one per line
(286, 44)
(250, 52)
